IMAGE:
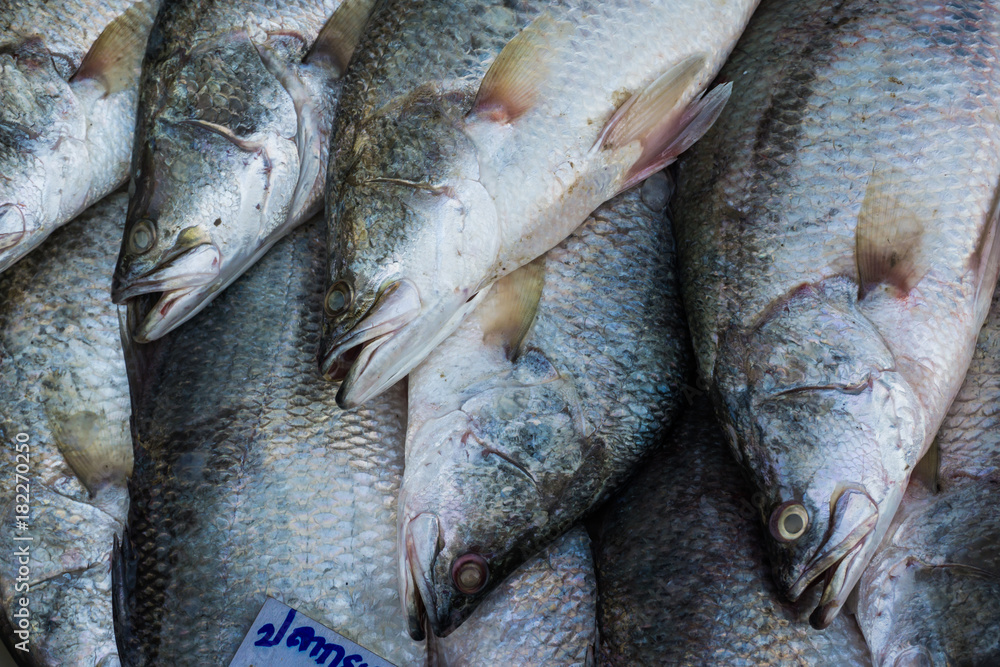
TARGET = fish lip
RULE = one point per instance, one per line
(190, 268)
(167, 310)
(8, 237)
(397, 305)
(394, 355)
(837, 587)
(854, 518)
(420, 540)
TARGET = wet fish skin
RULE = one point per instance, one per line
(63, 384)
(249, 482)
(831, 379)
(437, 188)
(230, 150)
(683, 572)
(65, 140)
(543, 614)
(502, 456)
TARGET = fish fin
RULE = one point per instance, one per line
(510, 86)
(986, 259)
(98, 459)
(927, 470)
(888, 236)
(653, 117)
(334, 46)
(247, 145)
(115, 57)
(123, 577)
(515, 303)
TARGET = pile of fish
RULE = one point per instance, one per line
(480, 332)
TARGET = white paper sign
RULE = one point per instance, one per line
(282, 637)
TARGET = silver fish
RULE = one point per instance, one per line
(69, 79)
(683, 574)
(543, 614)
(446, 175)
(837, 264)
(231, 146)
(64, 407)
(249, 482)
(513, 435)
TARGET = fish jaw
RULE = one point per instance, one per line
(419, 546)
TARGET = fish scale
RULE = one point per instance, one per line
(249, 482)
(836, 257)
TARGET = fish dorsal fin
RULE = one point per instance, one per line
(115, 57)
(654, 118)
(514, 304)
(928, 468)
(889, 235)
(510, 87)
(986, 259)
(334, 46)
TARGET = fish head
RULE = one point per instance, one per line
(200, 212)
(414, 245)
(489, 482)
(828, 432)
(42, 149)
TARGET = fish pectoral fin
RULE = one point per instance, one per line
(514, 303)
(654, 117)
(889, 236)
(91, 447)
(510, 86)
(115, 57)
(987, 259)
(334, 46)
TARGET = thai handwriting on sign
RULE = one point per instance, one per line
(296, 637)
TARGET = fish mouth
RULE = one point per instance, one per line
(395, 336)
(190, 268)
(842, 556)
(12, 226)
(420, 543)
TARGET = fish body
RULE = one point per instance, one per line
(837, 264)
(509, 443)
(472, 141)
(249, 482)
(237, 100)
(69, 78)
(543, 614)
(683, 573)
(64, 407)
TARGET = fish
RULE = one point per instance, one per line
(64, 407)
(931, 595)
(543, 614)
(250, 483)
(237, 101)
(682, 569)
(837, 264)
(69, 81)
(538, 406)
(474, 136)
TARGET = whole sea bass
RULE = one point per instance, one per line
(249, 482)
(455, 161)
(683, 573)
(514, 434)
(931, 595)
(838, 262)
(543, 614)
(67, 452)
(231, 144)
(69, 79)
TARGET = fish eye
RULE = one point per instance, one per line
(338, 298)
(142, 237)
(789, 521)
(470, 573)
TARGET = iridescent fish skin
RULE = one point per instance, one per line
(837, 263)
(505, 453)
(683, 573)
(237, 102)
(63, 386)
(471, 142)
(543, 614)
(65, 129)
(249, 482)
